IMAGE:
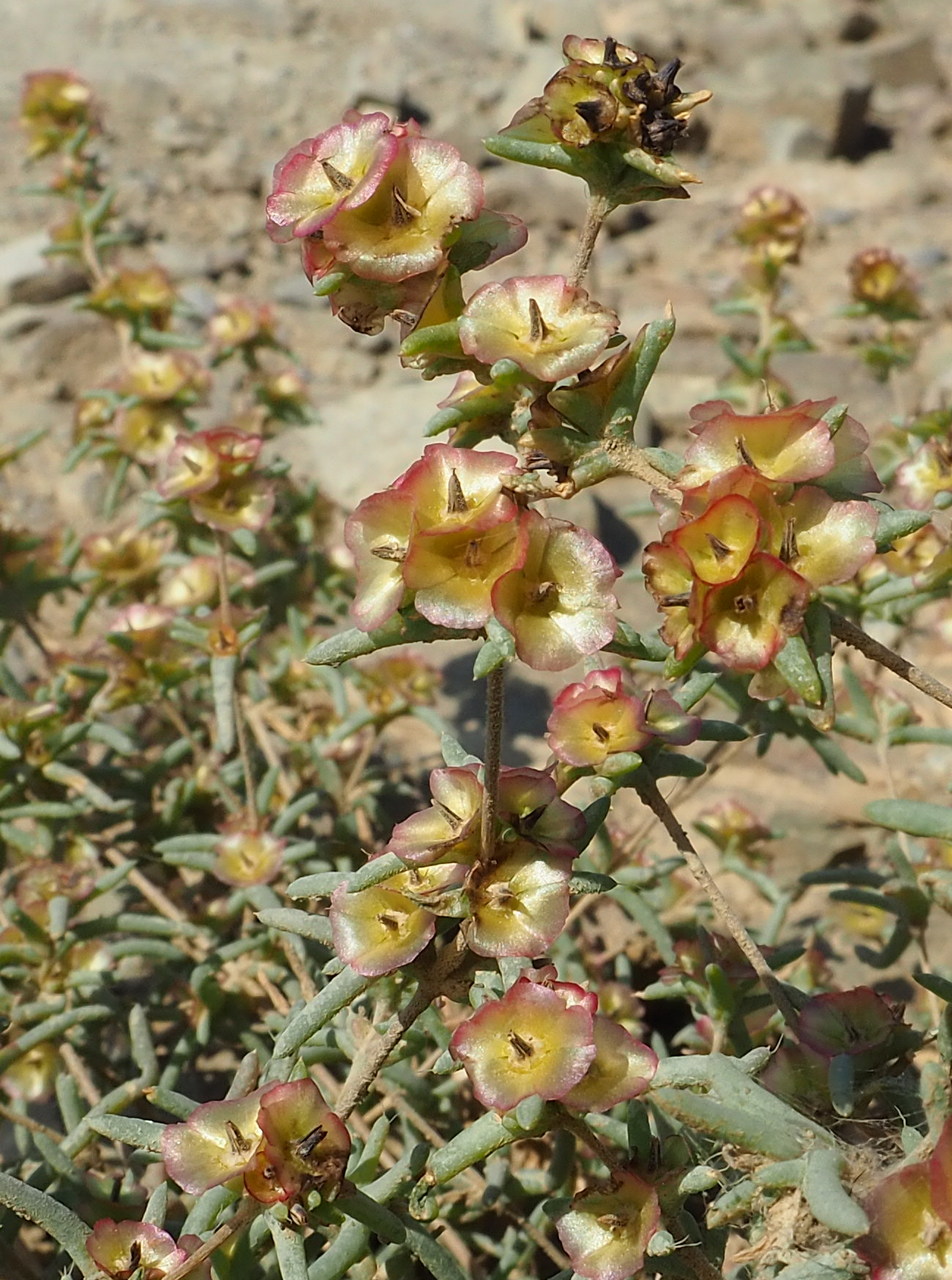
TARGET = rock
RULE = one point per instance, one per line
(28, 277)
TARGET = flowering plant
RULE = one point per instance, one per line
(523, 1033)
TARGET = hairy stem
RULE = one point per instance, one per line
(857, 638)
(652, 797)
(246, 1211)
(495, 702)
(595, 215)
(370, 1060)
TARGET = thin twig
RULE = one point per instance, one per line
(580, 1128)
(857, 638)
(77, 1069)
(495, 702)
(299, 969)
(367, 1064)
(241, 732)
(648, 790)
(595, 215)
(246, 1211)
(27, 1122)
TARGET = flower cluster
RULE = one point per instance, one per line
(215, 471)
(54, 108)
(376, 207)
(882, 284)
(514, 903)
(859, 1025)
(754, 539)
(450, 537)
(131, 1250)
(278, 1142)
(545, 1039)
(617, 104)
(772, 224)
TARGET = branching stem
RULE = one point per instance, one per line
(368, 1063)
(857, 638)
(652, 797)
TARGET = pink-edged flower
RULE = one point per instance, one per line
(744, 482)
(606, 1229)
(883, 283)
(147, 431)
(529, 1043)
(452, 574)
(242, 503)
(859, 1022)
(448, 831)
(380, 929)
(401, 230)
(719, 543)
(559, 605)
(669, 578)
(787, 444)
(746, 622)
(622, 1068)
(305, 1144)
(596, 718)
(445, 529)
(455, 489)
(519, 904)
(195, 582)
(219, 1141)
(199, 462)
(852, 471)
(248, 857)
(126, 1249)
(831, 541)
(279, 1140)
(910, 1213)
(340, 168)
(378, 537)
(550, 328)
(165, 375)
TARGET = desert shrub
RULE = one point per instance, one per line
(277, 1007)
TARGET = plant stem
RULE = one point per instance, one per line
(246, 1211)
(495, 704)
(595, 215)
(857, 638)
(241, 733)
(583, 1131)
(368, 1063)
(648, 791)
